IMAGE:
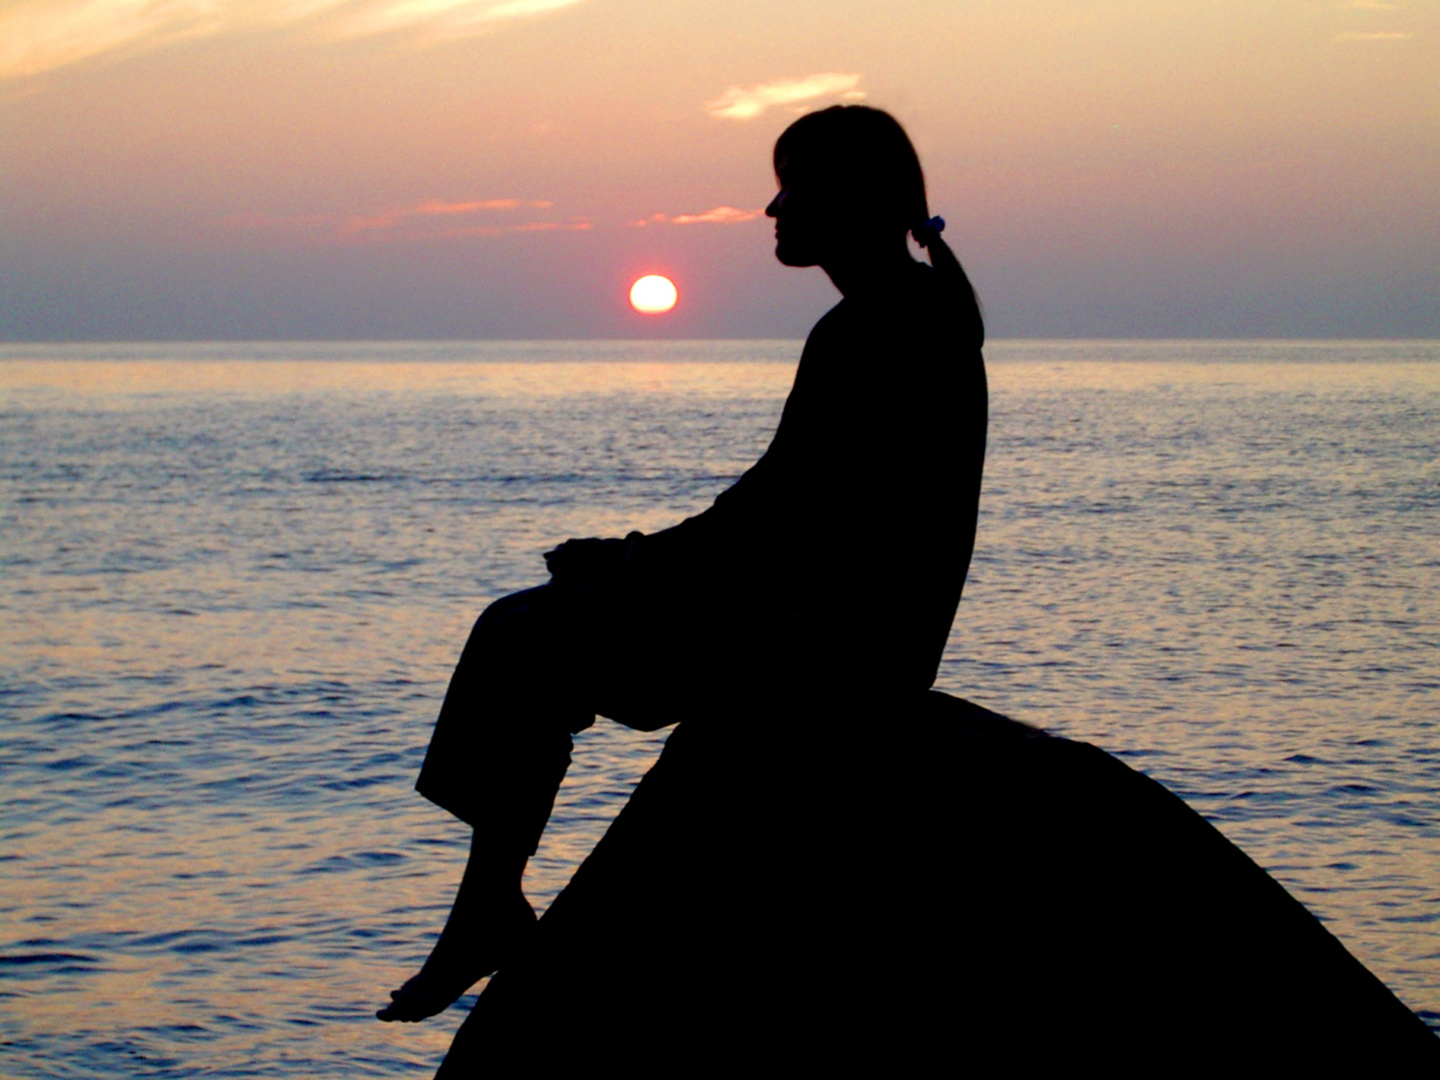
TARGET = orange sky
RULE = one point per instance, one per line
(468, 168)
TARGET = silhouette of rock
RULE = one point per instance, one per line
(941, 886)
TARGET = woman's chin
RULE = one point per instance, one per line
(794, 255)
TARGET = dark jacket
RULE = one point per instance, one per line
(844, 549)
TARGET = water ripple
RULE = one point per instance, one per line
(233, 591)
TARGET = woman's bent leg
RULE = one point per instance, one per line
(499, 752)
(502, 741)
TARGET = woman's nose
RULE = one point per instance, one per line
(773, 210)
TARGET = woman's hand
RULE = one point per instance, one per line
(589, 559)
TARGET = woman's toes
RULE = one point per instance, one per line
(406, 1007)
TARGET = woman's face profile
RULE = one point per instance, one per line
(799, 214)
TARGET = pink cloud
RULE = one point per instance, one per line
(499, 230)
(436, 206)
(407, 221)
(394, 216)
(720, 215)
(551, 226)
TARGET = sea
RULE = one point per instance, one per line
(235, 578)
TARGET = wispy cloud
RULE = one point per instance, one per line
(748, 102)
(501, 230)
(551, 226)
(1378, 35)
(407, 221)
(396, 215)
(436, 206)
(440, 19)
(40, 35)
(720, 215)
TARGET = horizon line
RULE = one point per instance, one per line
(6, 344)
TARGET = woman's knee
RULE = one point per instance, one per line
(518, 667)
(510, 617)
(534, 641)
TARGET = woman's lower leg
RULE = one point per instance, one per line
(488, 923)
(498, 755)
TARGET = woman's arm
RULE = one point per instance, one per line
(718, 536)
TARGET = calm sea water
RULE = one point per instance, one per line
(235, 579)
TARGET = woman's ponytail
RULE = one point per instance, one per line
(952, 275)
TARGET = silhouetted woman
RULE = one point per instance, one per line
(829, 571)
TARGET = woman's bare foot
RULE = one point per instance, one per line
(480, 935)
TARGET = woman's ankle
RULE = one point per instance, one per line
(493, 872)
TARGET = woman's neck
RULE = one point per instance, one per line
(860, 272)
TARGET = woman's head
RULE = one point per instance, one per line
(849, 177)
(851, 187)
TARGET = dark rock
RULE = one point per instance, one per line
(947, 888)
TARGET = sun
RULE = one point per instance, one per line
(653, 295)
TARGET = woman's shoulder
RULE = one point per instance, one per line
(920, 311)
(915, 324)
(832, 324)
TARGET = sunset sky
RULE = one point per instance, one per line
(242, 169)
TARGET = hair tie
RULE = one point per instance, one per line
(928, 231)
